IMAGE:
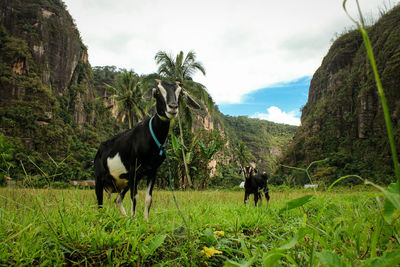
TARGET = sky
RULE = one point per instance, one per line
(259, 55)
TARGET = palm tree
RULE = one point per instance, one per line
(181, 68)
(128, 92)
(177, 156)
(243, 155)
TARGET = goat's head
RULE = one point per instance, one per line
(167, 97)
(248, 171)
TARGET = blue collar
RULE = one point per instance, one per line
(161, 147)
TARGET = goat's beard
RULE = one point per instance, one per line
(171, 115)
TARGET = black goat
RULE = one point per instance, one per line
(255, 183)
(126, 158)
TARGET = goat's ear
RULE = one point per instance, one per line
(190, 101)
(149, 94)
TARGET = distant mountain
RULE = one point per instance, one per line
(266, 140)
(343, 118)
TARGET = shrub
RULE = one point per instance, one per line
(2, 179)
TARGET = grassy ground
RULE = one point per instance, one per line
(64, 227)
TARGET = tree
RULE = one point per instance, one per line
(179, 159)
(181, 68)
(128, 93)
(242, 154)
(6, 157)
(207, 152)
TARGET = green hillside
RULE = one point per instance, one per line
(266, 140)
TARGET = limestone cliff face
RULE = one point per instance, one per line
(40, 43)
(204, 121)
(343, 113)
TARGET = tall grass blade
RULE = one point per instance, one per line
(155, 244)
(295, 203)
(389, 208)
(392, 196)
(294, 241)
(342, 178)
(330, 259)
(388, 259)
(248, 263)
(15, 235)
(375, 236)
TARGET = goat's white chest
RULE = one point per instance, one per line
(115, 166)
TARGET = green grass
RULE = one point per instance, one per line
(56, 227)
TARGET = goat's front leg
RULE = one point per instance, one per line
(119, 201)
(256, 198)
(260, 197)
(246, 197)
(148, 199)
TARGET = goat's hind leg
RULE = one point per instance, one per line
(99, 192)
(266, 192)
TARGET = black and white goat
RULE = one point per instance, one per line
(126, 158)
(255, 183)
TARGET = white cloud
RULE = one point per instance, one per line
(244, 45)
(275, 114)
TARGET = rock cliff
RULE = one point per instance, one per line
(42, 52)
(343, 117)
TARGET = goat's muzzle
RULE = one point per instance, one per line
(172, 110)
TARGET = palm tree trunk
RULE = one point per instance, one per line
(188, 179)
(130, 118)
(181, 177)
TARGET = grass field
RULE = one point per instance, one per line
(56, 227)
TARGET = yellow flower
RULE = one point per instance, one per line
(219, 233)
(209, 252)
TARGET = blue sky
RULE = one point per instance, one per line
(286, 98)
